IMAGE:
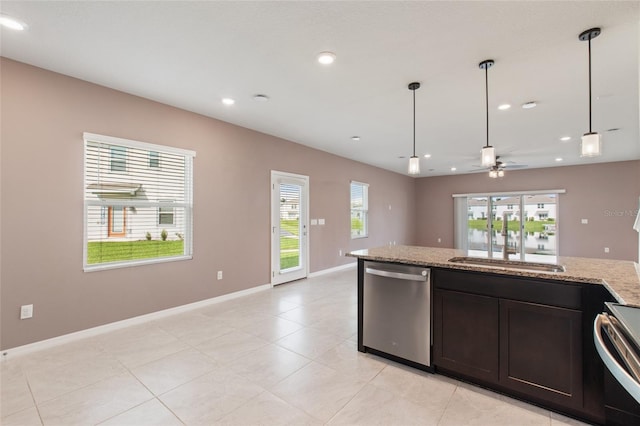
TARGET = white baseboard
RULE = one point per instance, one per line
(335, 269)
(101, 329)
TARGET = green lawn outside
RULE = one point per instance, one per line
(114, 251)
(289, 260)
(289, 244)
(514, 225)
(357, 225)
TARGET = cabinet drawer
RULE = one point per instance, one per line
(546, 292)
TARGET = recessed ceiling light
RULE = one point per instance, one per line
(12, 23)
(453, 169)
(614, 129)
(529, 105)
(401, 157)
(326, 58)
(228, 101)
(260, 98)
(504, 107)
(427, 156)
(355, 138)
(565, 138)
(558, 159)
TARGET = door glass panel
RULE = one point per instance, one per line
(290, 225)
(506, 235)
(477, 226)
(541, 227)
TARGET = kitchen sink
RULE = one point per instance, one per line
(508, 264)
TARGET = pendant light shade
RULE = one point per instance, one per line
(414, 165)
(591, 143)
(488, 157)
(414, 161)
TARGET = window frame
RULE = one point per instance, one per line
(187, 205)
(364, 210)
(460, 222)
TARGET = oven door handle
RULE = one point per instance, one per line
(631, 384)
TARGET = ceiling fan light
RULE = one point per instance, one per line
(500, 173)
(591, 145)
(414, 165)
(488, 156)
(493, 174)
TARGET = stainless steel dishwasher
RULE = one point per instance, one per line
(397, 311)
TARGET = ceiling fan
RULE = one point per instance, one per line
(499, 168)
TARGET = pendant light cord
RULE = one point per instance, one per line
(486, 96)
(589, 42)
(414, 122)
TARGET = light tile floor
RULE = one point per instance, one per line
(282, 356)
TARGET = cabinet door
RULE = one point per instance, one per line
(466, 334)
(541, 351)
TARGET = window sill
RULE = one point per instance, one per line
(118, 265)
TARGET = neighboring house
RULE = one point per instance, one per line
(538, 207)
(290, 208)
(116, 174)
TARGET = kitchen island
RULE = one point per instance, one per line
(523, 332)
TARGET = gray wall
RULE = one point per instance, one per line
(43, 117)
(594, 192)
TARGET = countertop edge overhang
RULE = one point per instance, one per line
(620, 277)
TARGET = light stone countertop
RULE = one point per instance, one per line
(620, 277)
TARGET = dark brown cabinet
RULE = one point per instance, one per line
(466, 334)
(541, 351)
(523, 336)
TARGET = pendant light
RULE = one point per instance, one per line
(591, 143)
(488, 152)
(414, 161)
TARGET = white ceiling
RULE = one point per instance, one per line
(191, 54)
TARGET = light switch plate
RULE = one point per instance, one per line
(26, 311)
(320, 221)
(314, 221)
(584, 221)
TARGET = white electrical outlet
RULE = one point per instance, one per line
(439, 240)
(26, 311)
(606, 249)
(339, 252)
(219, 275)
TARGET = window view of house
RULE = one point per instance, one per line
(118, 158)
(137, 207)
(522, 227)
(359, 209)
(154, 159)
(290, 196)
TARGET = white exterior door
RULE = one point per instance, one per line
(289, 227)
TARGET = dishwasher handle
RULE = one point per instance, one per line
(398, 275)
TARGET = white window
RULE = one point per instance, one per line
(165, 215)
(154, 159)
(517, 227)
(118, 158)
(135, 212)
(359, 209)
